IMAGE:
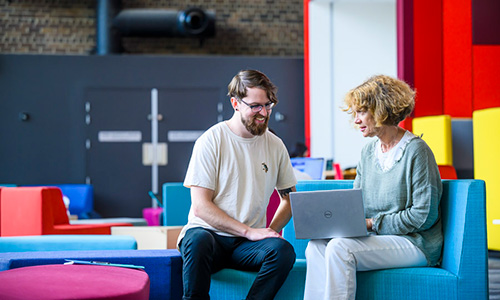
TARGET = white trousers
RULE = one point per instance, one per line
(332, 264)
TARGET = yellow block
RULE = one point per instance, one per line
(436, 132)
(486, 131)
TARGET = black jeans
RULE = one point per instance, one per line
(205, 252)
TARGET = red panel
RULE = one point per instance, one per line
(428, 56)
(406, 70)
(19, 214)
(40, 210)
(457, 57)
(405, 40)
(407, 124)
(307, 125)
(447, 172)
(486, 76)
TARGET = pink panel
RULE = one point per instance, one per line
(274, 202)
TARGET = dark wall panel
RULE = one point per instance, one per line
(463, 150)
(485, 22)
(49, 147)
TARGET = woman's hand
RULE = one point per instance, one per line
(369, 224)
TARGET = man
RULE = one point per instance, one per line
(234, 168)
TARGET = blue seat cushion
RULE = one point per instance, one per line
(232, 284)
(67, 242)
(400, 284)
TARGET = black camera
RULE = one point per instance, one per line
(192, 22)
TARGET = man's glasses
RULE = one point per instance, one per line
(258, 107)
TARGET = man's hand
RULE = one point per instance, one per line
(204, 208)
(257, 234)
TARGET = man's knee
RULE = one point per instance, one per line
(196, 242)
(285, 254)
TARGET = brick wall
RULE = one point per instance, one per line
(251, 27)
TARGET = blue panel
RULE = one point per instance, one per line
(176, 204)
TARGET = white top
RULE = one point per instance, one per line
(388, 159)
(243, 173)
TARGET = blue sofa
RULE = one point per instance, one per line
(81, 199)
(463, 273)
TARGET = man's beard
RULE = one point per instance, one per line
(253, 127)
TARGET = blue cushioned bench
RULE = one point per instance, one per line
(463, 273)
(67, 242)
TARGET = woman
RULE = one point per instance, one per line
(401, 193)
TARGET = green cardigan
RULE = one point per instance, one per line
(404, 200)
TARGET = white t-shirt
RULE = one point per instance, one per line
(243, 173)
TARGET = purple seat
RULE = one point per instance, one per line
(74, 282)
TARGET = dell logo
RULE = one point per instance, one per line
(327, 214)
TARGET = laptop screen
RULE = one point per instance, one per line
(327, 214)
(312, 166)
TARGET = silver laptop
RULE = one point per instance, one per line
(328, 214)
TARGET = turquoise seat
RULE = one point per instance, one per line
(176, 204)
(67, 242)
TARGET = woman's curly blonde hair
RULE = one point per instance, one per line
(388, 99)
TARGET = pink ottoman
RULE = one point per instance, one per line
(74, 282)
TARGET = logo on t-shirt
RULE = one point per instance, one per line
(264, 167)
